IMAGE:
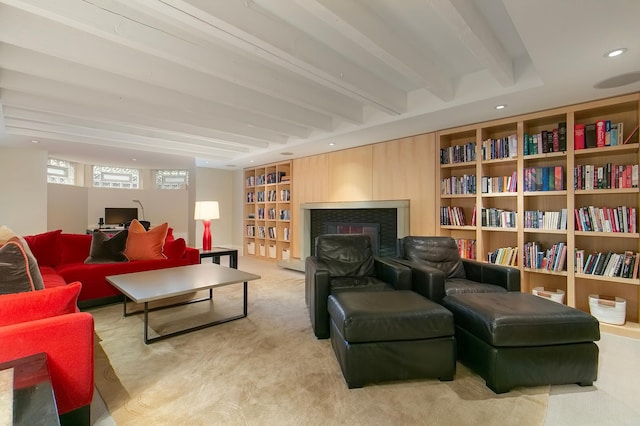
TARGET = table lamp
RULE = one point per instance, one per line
(205, 211)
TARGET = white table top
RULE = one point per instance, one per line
(163, 283)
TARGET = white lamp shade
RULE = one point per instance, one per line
(206, 210)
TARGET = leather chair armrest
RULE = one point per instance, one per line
(393, 273)
(507, 277)
(317, 282)
(426, 280)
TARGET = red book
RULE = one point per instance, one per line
(601, 133)
(558, 178)
(578, 136)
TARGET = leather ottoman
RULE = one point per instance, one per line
(518, 339)
(391, 335)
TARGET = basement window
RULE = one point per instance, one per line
(171, 179)
(61, 171)
(116, 177)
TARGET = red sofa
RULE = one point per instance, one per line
(49, 321)
(61, 259)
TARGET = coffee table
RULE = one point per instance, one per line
(149, 286)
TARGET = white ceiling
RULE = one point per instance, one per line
(219, 83)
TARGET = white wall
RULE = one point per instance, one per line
(67, 207)
(217, 185)
(23, 190)
(29, 205)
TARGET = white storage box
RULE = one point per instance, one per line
(554, 294)
(610, 310)
(263, 250)
(251, 248)
(272, 251)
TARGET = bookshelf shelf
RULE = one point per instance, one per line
(545, 193)
(545, 271)
(545, 231)
(468, 164)
(499, 194)
(498, 229)
(459, 227)
(632, 235)
(268, 199)
(627, 281)
(549, 139)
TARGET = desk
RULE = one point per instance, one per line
(216, 252)
(33, 399)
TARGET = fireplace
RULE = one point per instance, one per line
(390, 218)
(370, 229)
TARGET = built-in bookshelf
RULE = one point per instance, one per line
(574, 199)
(267, 211)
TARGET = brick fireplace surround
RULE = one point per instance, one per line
(392, 215)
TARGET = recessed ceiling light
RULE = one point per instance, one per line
(501, 106)
(331, 143)
(251, 161)
(134, 159)
(34, 141)
(616, 52)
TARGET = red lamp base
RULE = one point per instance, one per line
(206, 236)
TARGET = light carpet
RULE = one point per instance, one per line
(269, 368)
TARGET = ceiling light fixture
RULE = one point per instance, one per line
(616, 52)
(331, 143)
(35, 141)
(501, 106)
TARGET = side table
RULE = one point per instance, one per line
(33, 399)
(217, 252)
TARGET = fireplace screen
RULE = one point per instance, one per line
(370, 229)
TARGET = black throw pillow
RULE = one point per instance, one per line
(105, 249)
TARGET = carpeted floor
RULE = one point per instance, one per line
(270, 369)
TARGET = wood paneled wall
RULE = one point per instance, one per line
(401, 169)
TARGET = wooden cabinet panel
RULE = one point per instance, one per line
(310, 185)
(406, 169)
(351, 174)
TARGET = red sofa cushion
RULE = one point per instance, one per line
(45, 247)
(174, 249)
(51, 278)
(74, 247)
(23, 307)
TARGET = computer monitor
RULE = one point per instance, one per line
(119, 215)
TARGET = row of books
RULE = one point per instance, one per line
(458, 154)
(549, 178)
(466, 248)
(271, 196)
(606, 219)
(271, 214)
(452, 215)
(554, 140)
(538, 219)
(465, 184)
(504, 256)
(600, 134)
(506, 147)
(491, 185)
(273, 177)
(551, 259)
(607, 176)
(610, 264)
(498, 218)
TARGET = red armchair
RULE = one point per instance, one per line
(49, 321)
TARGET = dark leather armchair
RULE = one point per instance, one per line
(346, 263)
(438, 270)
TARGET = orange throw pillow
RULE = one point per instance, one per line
(145, 245)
